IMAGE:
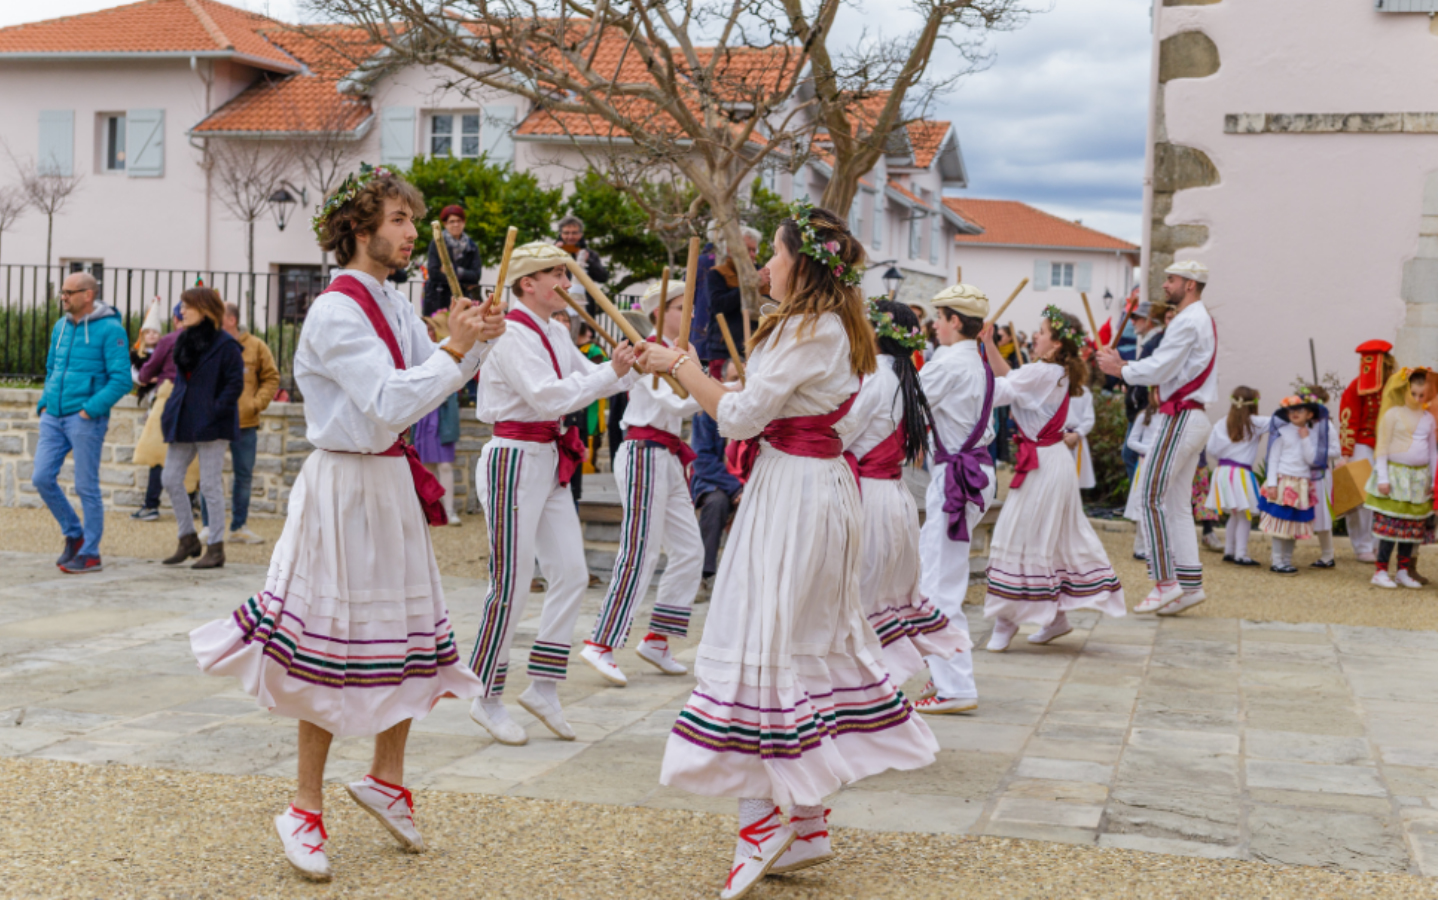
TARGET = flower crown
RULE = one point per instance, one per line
(826, 254)
(1302, 397)
(1237, 403)
(346, 192)
(886, 327)
(1061, 328)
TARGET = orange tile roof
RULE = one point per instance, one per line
(151, 26)
(926, 137)
(299, 103)
(1012, 223)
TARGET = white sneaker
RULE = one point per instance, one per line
(547, 712)
(944, 706)
(498, 722)
(455, 520)
(761, 844)
(808, 849)
(393, 807)
(243, 535)
(1001, 637)
(1158, 598)
(1212, 541)
(926, 692)
(658, 655)
(303, 836)
(1058, 628)
(1185, 601)
(1405, 580)
(1382, 579)
(603, 661)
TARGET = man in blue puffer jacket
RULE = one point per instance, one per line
(87, 371)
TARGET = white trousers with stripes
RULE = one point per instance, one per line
(530, 516)
(1167, 477)
(944, 578)
(658, 515)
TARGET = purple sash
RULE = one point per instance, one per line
(964, 478)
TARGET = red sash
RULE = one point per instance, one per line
(427, 488)
(812, 436)
(885, 459)
(1180, 400)
(663, 438)
(1027, 456)
(570, 444)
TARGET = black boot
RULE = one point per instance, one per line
(214, 557)
(189, 548)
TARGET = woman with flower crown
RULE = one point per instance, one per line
(793, 700)
(892, 424)
(1045, 559)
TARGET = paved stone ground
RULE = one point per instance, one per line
(1299, 744)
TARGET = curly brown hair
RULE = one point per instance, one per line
(814, 290)
(363, 213)
(1067, 354)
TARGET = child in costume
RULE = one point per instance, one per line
(793, 700)
(351, 634)
(892, 422)
(1080, 422)
(1325, 489)
(1045, 558)
(436, 434)
(1401, 490)
(1234, 490)
(960, 388)
(1139, 441)
(1298, 448)
(650, 472)
(1358, 421)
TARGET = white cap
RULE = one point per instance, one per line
(537, 256)
(650, 300)
(1195, 271)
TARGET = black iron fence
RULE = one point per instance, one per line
(272, 306)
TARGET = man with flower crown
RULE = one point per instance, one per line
(351, 634)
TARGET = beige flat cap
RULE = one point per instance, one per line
(650, 300)
(966, 299)
(1195, 271)
(536, 256)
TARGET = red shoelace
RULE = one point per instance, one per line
(823, 832)
(754, 834)
(401, 793)
(309, 822)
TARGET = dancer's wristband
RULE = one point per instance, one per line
(684, 358)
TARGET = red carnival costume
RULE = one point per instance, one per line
(1359, 418)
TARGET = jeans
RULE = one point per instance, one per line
(60, 435)
(715, 507)
(153, 487)
(242, 475)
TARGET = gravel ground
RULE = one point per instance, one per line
(118, 831)
(1339, 596)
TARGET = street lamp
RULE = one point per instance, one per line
(892, 279)
(282, 202)
(1109, 298)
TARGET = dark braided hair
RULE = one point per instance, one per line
(917, 417)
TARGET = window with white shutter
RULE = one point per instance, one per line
(1041, 281)
(145, 143)
(56, 154)
(397, 135)
(497, 134)
(934, 238)
(1082, 276)
(877, 223)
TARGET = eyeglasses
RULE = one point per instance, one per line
(70, 293)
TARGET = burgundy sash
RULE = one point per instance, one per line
(812, 436)
(427, 487)
(885, 459)
(965, 477)
(1027, 457)
(1180, 400)
(663, 438)
(570, 444)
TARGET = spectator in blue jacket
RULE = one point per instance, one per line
(87, 371)
(713, 489)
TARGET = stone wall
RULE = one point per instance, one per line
(280, 453)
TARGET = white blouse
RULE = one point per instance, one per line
(1034, 393)
(1244, 452)
(792, 374)
(356, 401)
(1081, 416)
(877, 410)
(658, 407)
(1142, 436)
(519, 383)
(1183, 353)
(1290, 454)
(954, 384)
(1419, 452)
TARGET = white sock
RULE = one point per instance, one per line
(807, 819)
(752, 811)
(495, 708)
(445, 473)
(1327, 544)
(1242, 536)
(1282, 551)
(545, 689)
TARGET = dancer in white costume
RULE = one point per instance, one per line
(351, 634)
(536, 377)
(1080, 422)
(793, 700)
(1182, 368)
(1140, 439)
(1045, 558)
(1234, 444)
(960, 388)
(651, 471)
(892, 422)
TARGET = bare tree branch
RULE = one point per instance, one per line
(45, 190)
(12, 206)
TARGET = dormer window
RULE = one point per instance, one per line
(455, 134)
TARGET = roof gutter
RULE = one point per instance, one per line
(1114, 250)
(963, 225)
(109, 55)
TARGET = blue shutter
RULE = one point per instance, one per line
(397, 136)
(1082, 276)
(877, 225)
(497, 134)
(1041, 281)
(145, 143)
(57, 142)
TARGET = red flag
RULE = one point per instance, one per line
(1103, 338)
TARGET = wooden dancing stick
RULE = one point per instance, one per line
(499, 292)
(438, 233)
(586, 317)
(687, 309)
(1011, 299)
(660, 319)
(626, 328)
(1094, 332)
(730, 345)
(1129, 311)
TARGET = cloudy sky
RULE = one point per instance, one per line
(1058, 120)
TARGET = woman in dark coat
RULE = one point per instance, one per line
(201, 418)
(464, 256)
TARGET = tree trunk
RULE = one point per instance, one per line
(49, 234)
(844, 182)
(250, 263)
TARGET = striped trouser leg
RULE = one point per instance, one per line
(637, 474)
(684, 553)
(560, 550)
(1159, 469)
(502, 486)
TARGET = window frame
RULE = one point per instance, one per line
(458, 134)
(112, 143)
(1065, 272)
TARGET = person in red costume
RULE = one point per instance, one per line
(1359, 417)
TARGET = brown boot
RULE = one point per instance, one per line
(189, 549)
(214, 557)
